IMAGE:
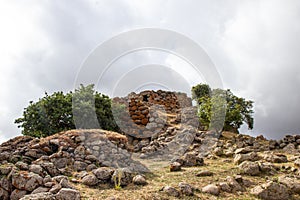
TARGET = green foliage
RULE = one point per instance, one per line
(117, 179)
(200, 90)
(54, 113)
(51, 114)
(223, 104)
(119, 112)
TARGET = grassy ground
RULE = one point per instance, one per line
(162, 176)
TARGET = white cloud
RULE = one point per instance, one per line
(254, 45)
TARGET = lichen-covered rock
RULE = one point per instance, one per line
(4, 194)
(50, 168)
(5, 183)
(291, 183)
(276, 158)
(239, 158)
(90, 180)
(171, 191)
(21, 165)
(17, 194)
(104, 174)
(26, 181)
(234, 185)
(39, 196)
(190, 160)
(271, 191)
(249, 168)
(37, 169)
(224, 187)
(68, 194)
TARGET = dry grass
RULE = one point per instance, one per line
(162, 176)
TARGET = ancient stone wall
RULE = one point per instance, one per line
(149, 112)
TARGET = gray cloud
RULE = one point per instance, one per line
(255, 46)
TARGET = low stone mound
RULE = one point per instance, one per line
(31, 166)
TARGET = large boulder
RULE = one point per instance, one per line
(104, 174)
(39, 196)
(17, 194)
(291, 183)
(276, 158)
(26, 181)
(90, 180)
(211, 189)
(271, 191)
(186, 189)
(239, 158)
(68, 194)
(250, 168)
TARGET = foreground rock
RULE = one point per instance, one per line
(39, 167)
(211, 189)
(250, 168)
(271, 191)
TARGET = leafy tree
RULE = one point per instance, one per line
(56, 112)
(223, 104)
(200, 90)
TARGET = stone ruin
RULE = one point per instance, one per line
(150, 112)
(155, 125)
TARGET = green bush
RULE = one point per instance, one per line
(55, 113)
(217, 104)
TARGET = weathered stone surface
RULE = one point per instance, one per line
(21, 165)
(37, 169)
(50, 168)
(4, 194)
(186, 189)
(234, 185)
(17, 194)
(6, 169)
(225, 187)
(268, 168)
(26, 181)
(291, 183)
(271, 191)
(40, 190)
(171, 191)
(211, 189)
(68, 194)
(5, 183)
(80, 166)
(103, 173)
(125, 174)
(39, 196)
(276, 158)
(204, 173)
(297, 162)
(249, 168)
(239, 158)
(139, 180)
(90, 180)
(55, 189)
(190, 160)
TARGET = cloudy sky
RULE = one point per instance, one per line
(254, 46)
